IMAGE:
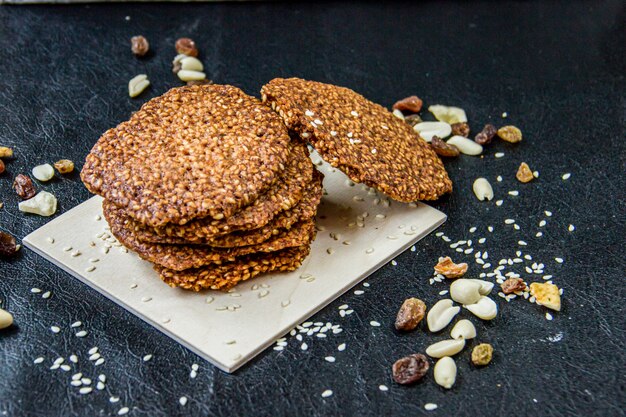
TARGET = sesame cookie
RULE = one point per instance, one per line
(361, 138)
(305, 209)
(194, 152)
(181, 257)
(288, 191)
(227, 275)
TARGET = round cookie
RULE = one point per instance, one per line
(283, 195)
(227, 275)
(361, 138)
(181, 257)
(194, 152)
(304, 210)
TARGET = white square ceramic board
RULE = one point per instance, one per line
(359, 230)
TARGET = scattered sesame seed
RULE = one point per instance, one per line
(341, 347)
(82, 333)
(146, 299)
(182, 400)
(46, 295)
(374, 323)
(285, 303)
(55, 329)
(444, 292)
(38, 360)
(548, 316)
(499, 154)
(90, 269)
(571, 228)
(514, 192)
(99, 362)
(76, 324)
(472, 229)
(548, 213)
(124, 410)
(354, 113)
(499, 203)
(330, 359)
(394, 263)
(566, 176)
(304, 346)
(499, 178)
(85, 390)
(383, 388)
(147, 357)
(327, 393)
(114, 400)
(521, 243)
(432, 406)
(309, 113)
(559, 260)
(359, 292)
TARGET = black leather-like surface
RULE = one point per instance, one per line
(556, 68)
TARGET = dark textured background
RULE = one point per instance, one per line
(557, 68)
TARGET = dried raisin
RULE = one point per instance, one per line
(513, 285)
(24, 187)
(442, 148)
(486, 135)
(8, 246)
(460, 129)
(412, 104)
(410, 314)
(410, 369)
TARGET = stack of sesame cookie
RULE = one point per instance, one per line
(206, 183)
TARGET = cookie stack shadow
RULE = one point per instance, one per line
(206, 183)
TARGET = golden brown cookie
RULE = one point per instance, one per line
(227, 275)
(361, 138)
(194, 152)
(181, 257)
(304, 210)
(283, 195)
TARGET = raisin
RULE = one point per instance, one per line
(186, 46)
(524, 174)
(8, 247)
(410, 369)
(410, 314)
(482, 354)
(442, 148)
(24, 187)
(1, 166)
(139, 45)
(412, 104)
(486, 135)
(510, 134)
(460, 129)
(64, 166)
(413, 119)
(512, 285)
(449, 269)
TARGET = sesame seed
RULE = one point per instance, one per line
(548, 316)
(55, 329)
(354, 113)
(566, 176)
(182, 400)
(102, 378)
(76, 324)
(38, 360)
(472, 229)
(374, 323)
(490, 228)
(499, 178)
(548, 213)
(444, 292)
(90, 269)
(304, 346)
(67, 248)
(46, 295)
(123, 410)
(432, 406)
(369, 250)
(35, 290)
(571, 228)
(359, 292)
(146, 299)
(309, 113)
(85, 390)
(383, 388)
(374, 151)
(499, 203)
(114, 400)
(330, 359)
(341, 347)
(521, 243)
(499, 154)
(514, 192)
(285, 303)
(82, 333)
(99, 362)
(327, 393)
(99, 386)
